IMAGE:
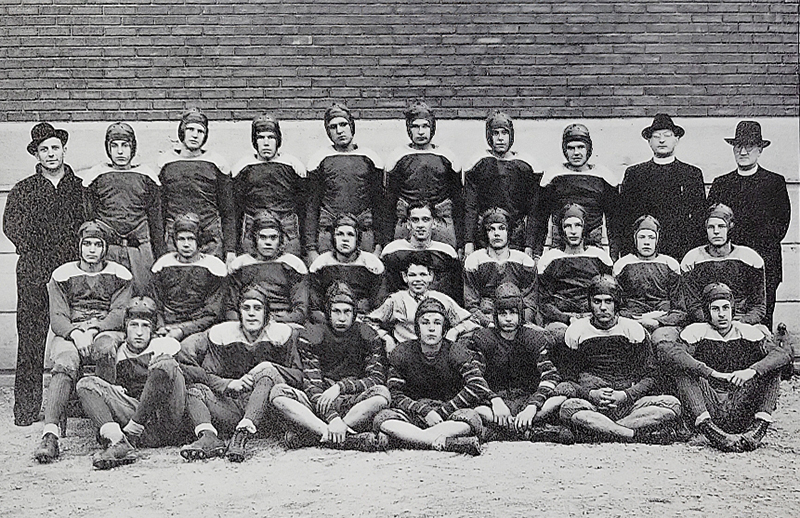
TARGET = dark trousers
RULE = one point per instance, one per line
(770, 303)
(33, 321)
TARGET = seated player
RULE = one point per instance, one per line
(345, 381)
(362, 271)
(651, 283)
(190, 285)
(499, 177)
(435, 386)
(516, 364)
(441, 257)
(283, 277)
(394, 319)
(609, 397)
(739, 267)
(564, 274)
(87, 298)
(488, 268)
(727, 374)
(124, 199)
(242, 362)
(146, 396)
(269, 179)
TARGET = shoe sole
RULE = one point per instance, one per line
(104, 464)
(191, 454)
(235, 456)
(44, 459)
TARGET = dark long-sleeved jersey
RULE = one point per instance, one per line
(483, 274)
(132, 369)
(563, 279)
(510, 183)
(83, 300)
(441, 258)
(190, 295)
(344, 182)
(355, 360)
(742, 270)
(201, 185)
(621, 357)
(519, 364)
(128, 201)
(284, 279)
(448, 381)
(417, 175)
(651, 285)
(364, 275)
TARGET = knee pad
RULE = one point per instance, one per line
(199, 391)
(378, 390)
(471, 417)
(670, 403)
(266, 370)
(104, 347)
(280, 390)
(388, 414)
(165, 364)
(565, 389)
(665, 334)
(89, 384)
(571, 407)
(64, 366)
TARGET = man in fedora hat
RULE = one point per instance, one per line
(761, 203)
(667, 189)
(42, 216)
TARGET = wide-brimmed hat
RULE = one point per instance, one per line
(662, 121)
(44, 131)
(748, 133)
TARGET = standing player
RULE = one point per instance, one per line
(501, 178)
(42, 215)
(196, 180)
(269, 180)
(424, 172)
(125, 200)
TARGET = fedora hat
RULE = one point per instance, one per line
(44, 131)
(662, 121)
(748, 132)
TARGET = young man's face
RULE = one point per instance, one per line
(267, 144)
(92, 250)
(138, 333)
(342, 316)
(721, 314)
(497, 235)
(420, 132)
(431, 328)
(340, 132)
(186, 244)
(253, 315)
(717, 231)
(663, 143)
(420, 222)
(746, 156)
(194, 135)
(268, 243)
(501, 141)
(121, 152)
(603, 310)
(646, 241)
(418, 278)
(50, 154)
(573, 230)
(577, 153)
(508, 320)
(345, 239)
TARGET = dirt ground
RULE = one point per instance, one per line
(509, 479)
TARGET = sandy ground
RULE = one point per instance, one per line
(509, 479)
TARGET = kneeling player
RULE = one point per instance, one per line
(345, 380)
(727, 373)
(518, 369)
(435, 385)
(609, 397)
(147, 396)
(243, 361)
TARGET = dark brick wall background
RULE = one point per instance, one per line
(99, 60)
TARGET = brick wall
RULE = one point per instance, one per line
(96, 60)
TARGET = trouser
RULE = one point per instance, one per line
(137, 259)
(444, 228)
(33, 321)
(161, 408)
(209, 241)
(732, 410)
(572, 406)
(224, 412)
(291, 235)
(770, 303)
(342, 404)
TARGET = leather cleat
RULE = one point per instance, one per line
(366, 441)
(236, 448)
(118, 454)
(720, 439)
(751, 439)
(48, 449)
(207, 446)
(550, 433)
(467, 445)
(294, 440)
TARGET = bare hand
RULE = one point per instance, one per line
(501, 414)
(82, 341)
(613, 398)
(326, 399)
(433, 418)
(529, 253)
(469, 248)
(378, 250)
(724, 376)
(525, 418)
(390, 343)
(596, 396)
(739, 378)
(175, 332)
(337, 431)
(248, 381)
